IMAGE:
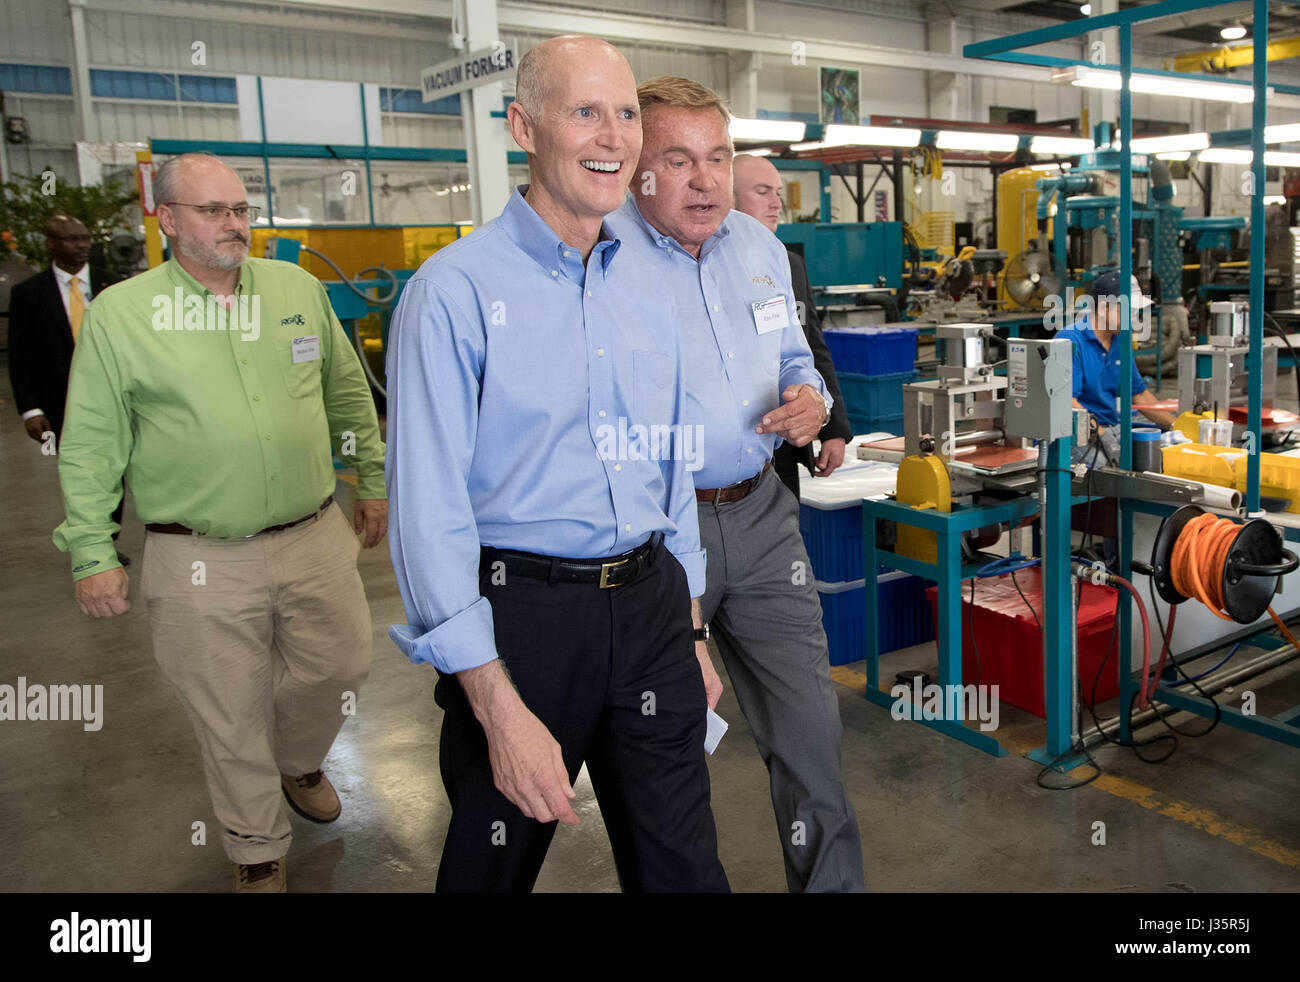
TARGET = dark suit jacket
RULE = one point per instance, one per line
(838, 424)
(40, 342)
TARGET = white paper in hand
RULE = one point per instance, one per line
(717, 727)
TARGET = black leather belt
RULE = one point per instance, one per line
(176, 528)
(605, 573)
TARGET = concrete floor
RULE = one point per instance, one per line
(113, 809)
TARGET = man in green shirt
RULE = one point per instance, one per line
(216, 384)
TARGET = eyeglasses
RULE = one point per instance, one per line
(215, 213)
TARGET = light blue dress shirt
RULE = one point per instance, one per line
(531, 403)
(734, 374)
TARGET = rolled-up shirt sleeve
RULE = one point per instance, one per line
(435, 367)
(684, 541)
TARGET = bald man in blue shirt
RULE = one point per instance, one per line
(543, 524)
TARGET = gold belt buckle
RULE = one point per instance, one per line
(604, 573)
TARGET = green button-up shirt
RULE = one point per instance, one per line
(223, 422)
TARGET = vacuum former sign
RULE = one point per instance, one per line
(494, 64)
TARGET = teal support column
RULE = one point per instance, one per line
(1057, 683)
(1255, 366)
(1123, 603)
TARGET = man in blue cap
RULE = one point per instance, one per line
(1097, 363)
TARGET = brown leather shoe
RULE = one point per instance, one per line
(260, 877)
(312, 796)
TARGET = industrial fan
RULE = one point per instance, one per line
(1031, 277)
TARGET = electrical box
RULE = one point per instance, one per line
(1039, 389)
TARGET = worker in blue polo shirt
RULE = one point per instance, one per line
(1097, 366)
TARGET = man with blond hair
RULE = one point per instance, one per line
(750, 383)
(551, 584)
(217, 384)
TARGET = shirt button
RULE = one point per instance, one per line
(257, 398)
(715, 308)
(731, 354)
(601, 352)
(243, 361)
(744, 402)
(268, 438)
(588, 293)
(749, 450)
(601, 414)
(618, 467)
(627, 528)
(555, 272)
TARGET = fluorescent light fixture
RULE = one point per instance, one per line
(989, 142)
(1045, 167)
(1185, 88)
(1235, 155)
(1175, 155)
(1169, 144)
(763, 152)
(775, 130)
(1066, 145)
(1282, 132)
(839, 135)
(1085, 9)
(1275, 199)
(1233, 32)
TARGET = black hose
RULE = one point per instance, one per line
(1277, 331)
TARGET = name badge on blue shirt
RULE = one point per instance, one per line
(770, 314)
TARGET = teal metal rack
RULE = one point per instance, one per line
(1009, 49)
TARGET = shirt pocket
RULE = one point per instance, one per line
(653, 398)
(301, 379)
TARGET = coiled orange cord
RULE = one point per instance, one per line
(1197, 561)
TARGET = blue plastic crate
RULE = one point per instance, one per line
(833, 538)
(905, 619)
(876, 424)
(874, 396)
(872, 350)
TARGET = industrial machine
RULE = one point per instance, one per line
(1227, 352)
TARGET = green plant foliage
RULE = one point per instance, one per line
(28, 201)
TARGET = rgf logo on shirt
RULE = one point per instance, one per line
(292, 319)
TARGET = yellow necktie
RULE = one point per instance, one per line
(76, 307)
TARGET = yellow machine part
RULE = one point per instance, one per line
(1189, 424)
(923, 484)
(355, 249)
(1279, 477)
(1017, 216)
(1232, 56)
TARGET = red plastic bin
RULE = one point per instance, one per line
(1011, 645)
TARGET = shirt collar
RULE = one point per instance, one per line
(82, 274)
(182, 275)
(531, 233)
(667, 242)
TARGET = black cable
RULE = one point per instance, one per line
(1295, 361)
(1218, 714)
(1016, 584)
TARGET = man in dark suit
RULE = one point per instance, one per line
(45, 313)
(758, 194)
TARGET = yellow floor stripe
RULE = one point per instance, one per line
(1199, 818)
(1122, 787)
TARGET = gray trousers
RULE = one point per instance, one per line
(762, 610)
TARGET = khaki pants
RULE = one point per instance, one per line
(261, 642)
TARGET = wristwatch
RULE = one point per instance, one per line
(702, 633)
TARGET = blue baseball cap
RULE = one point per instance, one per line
(1109, 286)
